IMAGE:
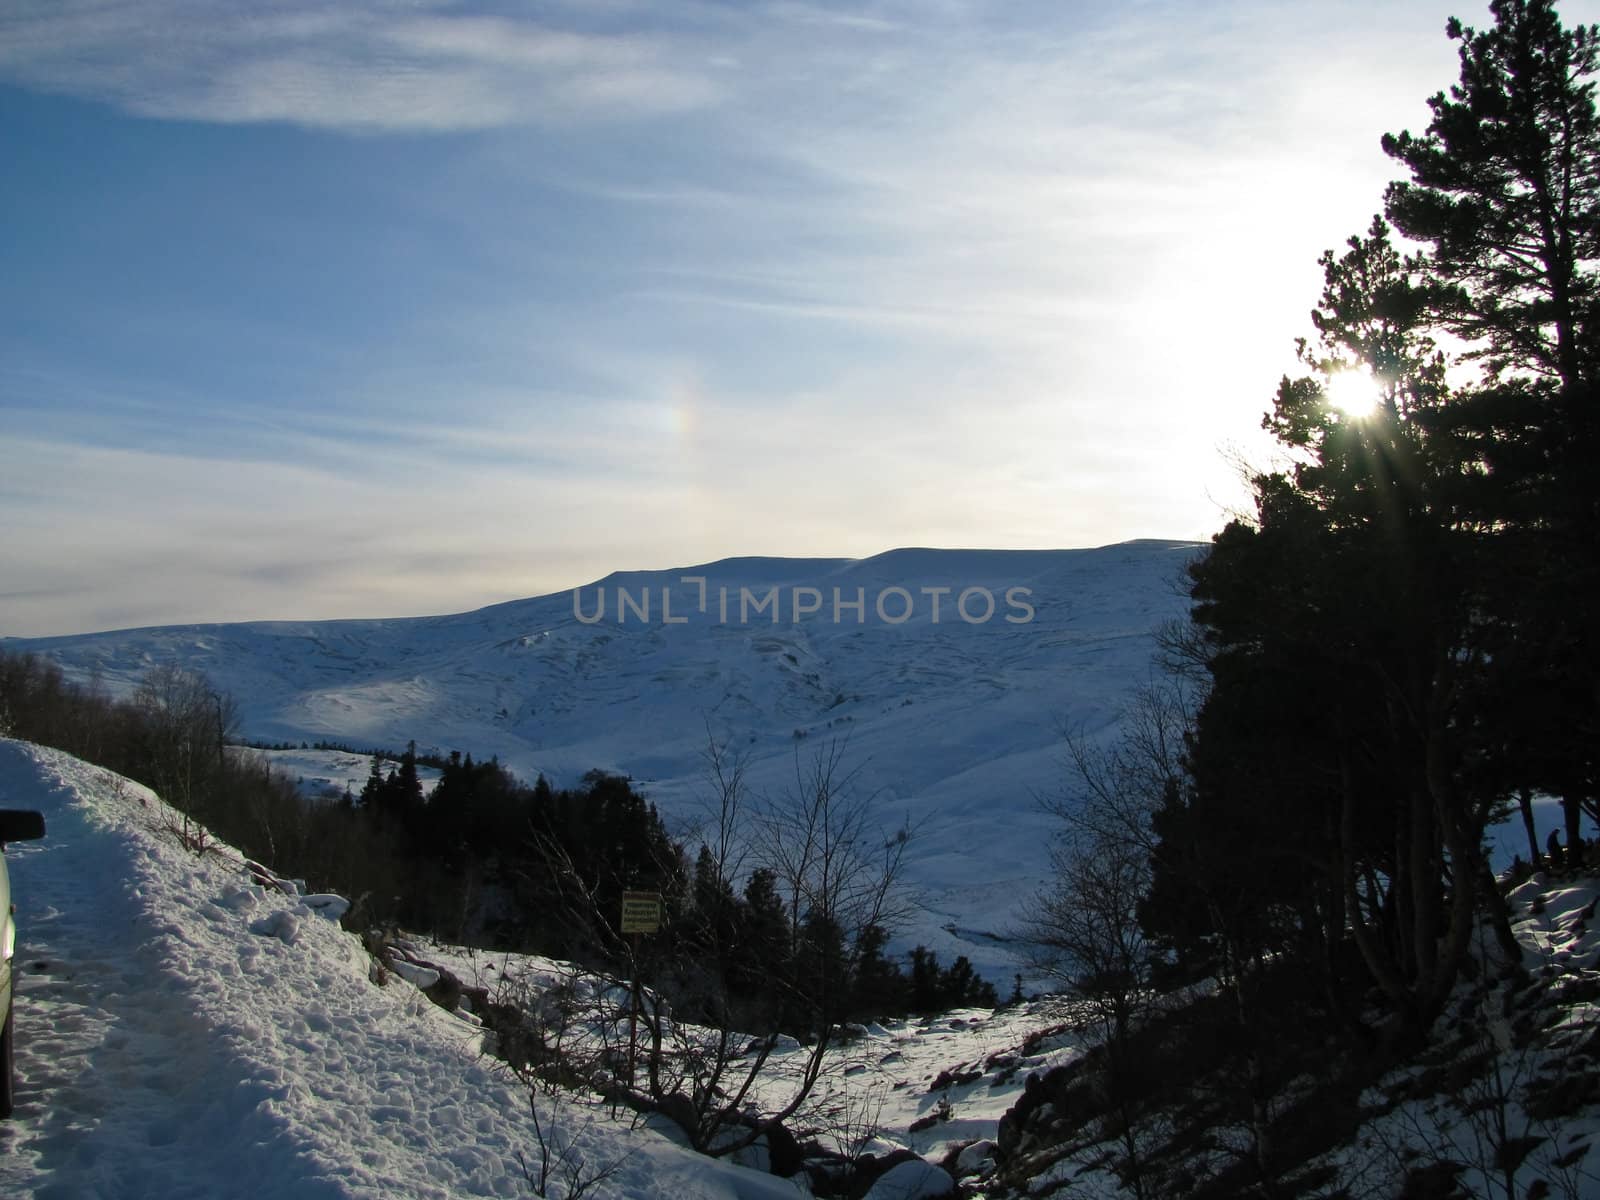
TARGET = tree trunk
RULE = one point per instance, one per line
(1572, 810)
(1525, 803)
(1462, 846)
(1423, 887)
(1499, 917)
(1372, 952)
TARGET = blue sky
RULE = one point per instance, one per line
(390, 308)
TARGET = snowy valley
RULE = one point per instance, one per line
(951, 723)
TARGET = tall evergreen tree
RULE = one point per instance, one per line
(1503, 189)
(767, 959)
(1505, 193)
(373, 786)
(879, 987)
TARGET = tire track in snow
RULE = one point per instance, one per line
(118, 1079)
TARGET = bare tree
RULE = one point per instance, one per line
(187, 727)
(1082, 927)
(724, 809)
(836, 865)
(734, 1075)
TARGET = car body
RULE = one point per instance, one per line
(16, 825)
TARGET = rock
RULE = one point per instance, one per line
(1038, 1091)
(1008, 1134)
(265, 878)
(869, 1168)
(975, 1158)
(422, 977)
(916, 1179)
(666, 1127)
(754, 1157)
(679, 1109)
(326, 904)
(787, 1158)
(776, 1151)
(953, 1077)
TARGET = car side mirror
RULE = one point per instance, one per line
(20, 825)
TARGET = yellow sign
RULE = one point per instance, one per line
(641, 912)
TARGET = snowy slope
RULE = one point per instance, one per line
(894, 1077)
(955, 725)
(183, 1032)
(320, 774)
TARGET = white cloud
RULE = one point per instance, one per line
(355, 67)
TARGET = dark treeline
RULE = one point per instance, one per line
(485, 858)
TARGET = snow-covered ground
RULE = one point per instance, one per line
(184, 1032)
(1537, 1093)
(967, 1066)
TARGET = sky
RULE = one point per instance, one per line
(388, 308)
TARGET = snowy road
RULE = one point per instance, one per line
(122, 1090)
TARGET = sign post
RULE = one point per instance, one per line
(641, 913)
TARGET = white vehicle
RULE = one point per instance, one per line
(16, 825)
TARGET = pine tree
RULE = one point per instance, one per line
(715, 906)
(1505, 191)
(373, 786)
(962, 987)
(925, 992)
(407, 795)
(1408, 634)
(879, 987)
(766, 963)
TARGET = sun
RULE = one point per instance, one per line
(1354, 393)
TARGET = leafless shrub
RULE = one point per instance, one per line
(560, 1169)
(191, 835)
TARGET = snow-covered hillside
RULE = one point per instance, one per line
(954, 723)
(183, 1032)
(187, 1029)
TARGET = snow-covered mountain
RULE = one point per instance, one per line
(951, 673)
